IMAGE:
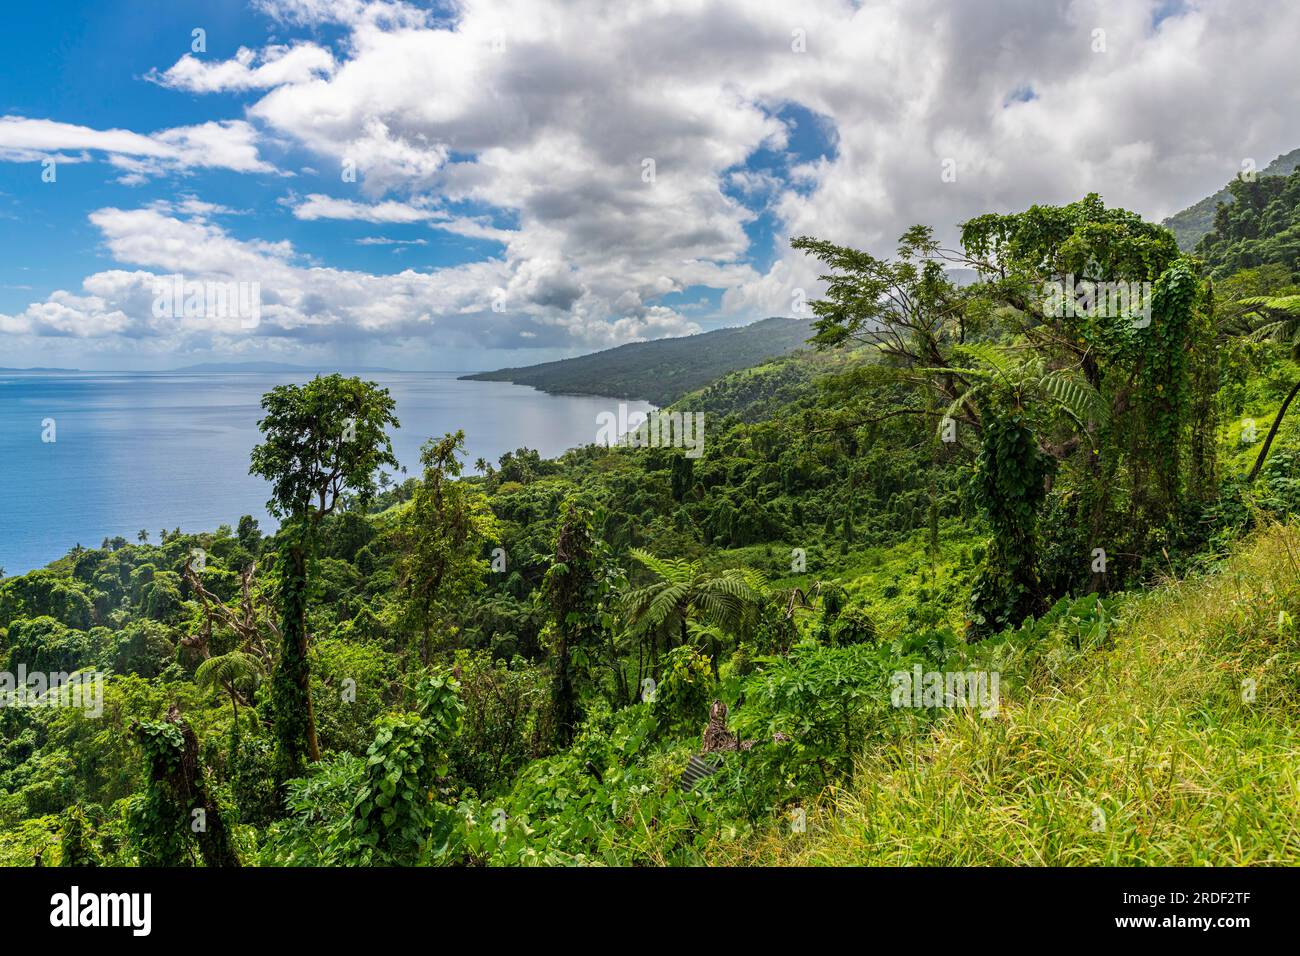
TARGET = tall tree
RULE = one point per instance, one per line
(1103, 305)
(324, 441)
(577, 591)
(442, 536)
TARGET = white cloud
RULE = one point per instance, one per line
(541, 114)
(548, 110)
(389, 13)
(318, 206)
(493, 303)
(248, 70)
(193, 207)
(225, 144)
(386, 241)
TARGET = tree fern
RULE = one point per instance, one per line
(1075, 395)
(227, 670)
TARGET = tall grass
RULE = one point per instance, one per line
(1143, 749)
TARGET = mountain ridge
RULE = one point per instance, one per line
(661, 370)
(1197, 220)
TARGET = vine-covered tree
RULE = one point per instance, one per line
(1115, 375)
(442, 537)
(178, 801)
(577, 590)
(322, 441)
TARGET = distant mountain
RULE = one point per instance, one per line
(782, 386)
(1196, 221)
(663, 370)
(264, 367)
(1260, 231)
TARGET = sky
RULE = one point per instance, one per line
(467, 185)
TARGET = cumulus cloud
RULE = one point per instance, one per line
(555, 108)
(248, 69)
(609, 149)
(491, 304)
(226, 144)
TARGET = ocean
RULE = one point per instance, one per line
(156, 450)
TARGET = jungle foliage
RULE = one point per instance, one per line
(515, 667)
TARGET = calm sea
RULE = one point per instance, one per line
(164, 450)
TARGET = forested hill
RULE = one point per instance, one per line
(1197, 220)
(663, 370)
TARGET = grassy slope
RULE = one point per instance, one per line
(1150, 726)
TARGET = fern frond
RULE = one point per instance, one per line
(670, 569)
(998, 357)
(1075, 395)
(228, 669)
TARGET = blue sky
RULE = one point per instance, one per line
(536, 179)
(97, 77)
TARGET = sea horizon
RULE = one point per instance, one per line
(150, 450)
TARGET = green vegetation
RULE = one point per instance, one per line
(1161, 733)
(663, 370)
(1197, 220)
(1261, 227)
(516, 668)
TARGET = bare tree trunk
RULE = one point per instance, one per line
(1272, 433)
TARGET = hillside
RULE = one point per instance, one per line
(663, 370)
(1257, 235)
(520, 667)
(770, 388)
(1190, 225)
(1161, 731)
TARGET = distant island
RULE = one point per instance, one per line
(38, 368)
(267, 367)
(663, 370)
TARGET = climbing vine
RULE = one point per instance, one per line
(396, 820)
(291, 681)
(176, 804)
(1163, 372)
(1009, 487)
